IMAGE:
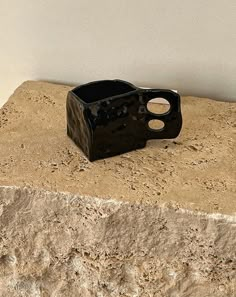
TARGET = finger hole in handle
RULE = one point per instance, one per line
(156, 125)
(158, 106)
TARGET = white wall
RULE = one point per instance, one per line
(186, 45)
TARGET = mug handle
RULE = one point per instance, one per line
(172, 119)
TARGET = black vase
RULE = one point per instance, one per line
(110, 117)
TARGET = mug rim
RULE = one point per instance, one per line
(135, 89)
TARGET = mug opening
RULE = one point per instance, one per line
(99, 90)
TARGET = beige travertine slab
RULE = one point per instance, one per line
(196, 171)
(157, 222)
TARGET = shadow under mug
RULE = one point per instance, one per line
(109, 117)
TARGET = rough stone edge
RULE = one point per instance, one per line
(99, 201)
(188, 237)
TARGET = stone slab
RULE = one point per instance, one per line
(158, 222)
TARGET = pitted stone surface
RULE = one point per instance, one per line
(196, 170)
(160, 221)
(59, 244)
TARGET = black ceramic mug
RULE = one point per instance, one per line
(110, 117)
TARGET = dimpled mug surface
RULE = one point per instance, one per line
(109, 117)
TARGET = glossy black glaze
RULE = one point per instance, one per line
(110, 117)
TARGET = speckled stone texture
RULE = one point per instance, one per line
(156, 222)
